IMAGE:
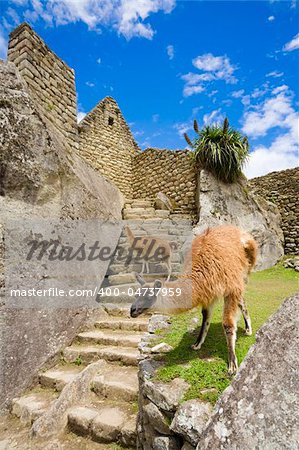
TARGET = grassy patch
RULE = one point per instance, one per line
(206, 369)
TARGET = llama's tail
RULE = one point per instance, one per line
(250, 247)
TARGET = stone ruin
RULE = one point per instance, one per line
(50, 166)
(104, 140)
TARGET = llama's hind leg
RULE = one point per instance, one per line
(206, 321)
(247, 320)
(168, 264)
(230, 316)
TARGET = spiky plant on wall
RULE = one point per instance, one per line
(221, 150)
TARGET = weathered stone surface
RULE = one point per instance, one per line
(35, 162)
(80, 419)
(169, 172)
(162, 348)
(55, 418)
(166, 443)
(158, 322)
(260, 410)
(282, 189)
(166, 395)
(162, 201)
(156, 418)
(190, 420)
(39, 179)
(292, 263)
(222, 203)
(106, 138)
(107, 424)
(50, 80)
(187, 446)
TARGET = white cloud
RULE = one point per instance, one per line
(214, 68)
(246, 100)
(138, 133)
(99, 60)
(213, 93)
(90, 84)
(215, 117)
(259, 92)
(155, 118)
(263, 160)
(228, 102)
(170, 51)
(270, 114)
(80, 115)
(13, 15)
(20, 2)
(219, 67)
(196, 110)
(127, 17)
(238, 94)
(292, 45)
(271, 18)
(3, 45)
(182, 127)
(190, 90)
(275, 74)
(277, 112)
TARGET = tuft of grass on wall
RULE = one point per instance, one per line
(206, 370)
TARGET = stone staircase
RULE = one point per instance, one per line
(109, 413)
(144, 209)
(144, 220)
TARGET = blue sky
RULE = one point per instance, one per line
(167, 62)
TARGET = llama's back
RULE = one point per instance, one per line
(222, 257)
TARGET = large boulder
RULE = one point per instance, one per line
(40, 178)
(190, 420)
(37, 165)
(260, 409)
(221, 203)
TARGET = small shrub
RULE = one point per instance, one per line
(220, 150)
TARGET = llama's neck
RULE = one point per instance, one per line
(174, 304)
(130, 236)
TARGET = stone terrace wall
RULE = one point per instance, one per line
(282, 188)
(107, 144)
(171, 172)
(50, 80)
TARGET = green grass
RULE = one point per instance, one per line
(206, 370)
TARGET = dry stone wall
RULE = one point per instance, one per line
(50, 80)
(282, 188)
(167, 171)
(107, 144)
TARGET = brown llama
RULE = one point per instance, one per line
(222, 258)
(150, 248)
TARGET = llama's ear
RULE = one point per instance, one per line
(158, 284)
(139, 278)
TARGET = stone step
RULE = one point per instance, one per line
(104, 423)
(140, 210)
(117, 383)
(122, 324)
(32, 405)
(85, 354)
(107, 337)
(170, 221)
(131, 216)
(118, 310)
(139, 203)
(59, 376)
